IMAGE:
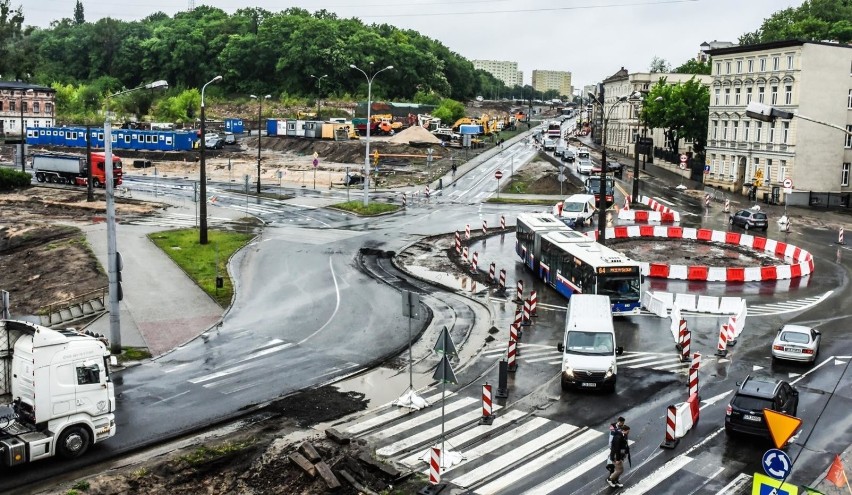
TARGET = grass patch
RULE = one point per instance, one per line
(134, 354)
(519, 201)
(203, 262)
(81, 485)
(373, 208)
(140, 473)
(205, 454)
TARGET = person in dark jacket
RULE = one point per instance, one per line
(613, 428)
(618, 452)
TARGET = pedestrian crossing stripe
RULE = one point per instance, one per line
(537, 353)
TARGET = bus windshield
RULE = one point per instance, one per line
(619, 288)
(589, 343)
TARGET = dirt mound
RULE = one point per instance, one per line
(414, 134)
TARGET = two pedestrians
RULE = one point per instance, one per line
(618, 452)
(613, 429)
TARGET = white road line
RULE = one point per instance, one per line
(391, 415)
(554, 484)
(661, 200)
(675, 365)
(651, 364)
(658, 476)
(548, 457)
(418, 420)
(637, 359)
(820, 365)
(172, 397)
(514, 455)
(240, 367)
(175, 368)
(545, 358)
(741, 480)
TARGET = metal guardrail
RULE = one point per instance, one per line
(100, 293)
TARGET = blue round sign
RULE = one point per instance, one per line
(777, 463)
(316, 162)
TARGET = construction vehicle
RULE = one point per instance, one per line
(62, 397)
(67, 168)
(428, 122)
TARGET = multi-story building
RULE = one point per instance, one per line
(546, 80)
(624, 125)
(711, 45)
(811, 79)
(25, 105)
(503, 70)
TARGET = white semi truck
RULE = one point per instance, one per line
(61, 396)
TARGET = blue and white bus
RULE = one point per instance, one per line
(529, 228)
(573, 265)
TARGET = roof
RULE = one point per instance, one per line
(25, 86)
(759, 387)
(771, 45)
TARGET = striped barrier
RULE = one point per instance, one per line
(671, 420)
(722, 347)
(467, 232)
(458, 243)
(645, 216)
(802, 262)
(520, 290)
(435, 466)
(533, 304)
(525, 318)
(693, 379)
(487, 406)
(513, 365)
(502, 222)
(491, 269)
(484, 227)
(474, 262)
(502, 282)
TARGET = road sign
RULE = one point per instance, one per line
(706, 169)
(498, 175)
(561, 178)
(682, 165)
(781, 426)
(316, 162)
(764, 485)
(316, 155)
(788, 183)
(683, 158)
(777, 463)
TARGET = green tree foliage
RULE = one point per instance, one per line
(814, 20)
(693, 66)
(79, 16)
(181, 108)
(681, 109)
(449, 111)
(11, 21)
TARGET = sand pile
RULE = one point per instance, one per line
(414, 134)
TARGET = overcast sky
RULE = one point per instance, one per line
(590, 38)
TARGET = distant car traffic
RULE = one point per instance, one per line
(796, 343)
(744, 413)
(750, 219)
(568, 156)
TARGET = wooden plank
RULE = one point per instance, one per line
(330, 479)
(310, 452)
(303, 464)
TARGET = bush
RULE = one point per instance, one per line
(13, 179)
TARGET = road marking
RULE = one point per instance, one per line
(418, 420)
(658, 476)
(239, 367)
(661, 200)
(740, 481)
(172, 397)
(820, 365)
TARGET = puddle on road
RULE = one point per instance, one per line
(382, 385)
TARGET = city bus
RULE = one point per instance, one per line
(529, 228)
(576, 266)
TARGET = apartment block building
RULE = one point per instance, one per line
(546, 80)
(503, 70)
(30, 103)
(811, 79)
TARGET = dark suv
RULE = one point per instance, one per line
(745, 412)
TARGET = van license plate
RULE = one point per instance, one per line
(749, 417)
(592, 385)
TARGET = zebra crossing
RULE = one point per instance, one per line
(659, 361)
(519, 453)
(173, 219)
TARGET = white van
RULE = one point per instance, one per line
(588, 347)
(578, 210)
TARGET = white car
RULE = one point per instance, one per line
(796, 343)
(584, 166)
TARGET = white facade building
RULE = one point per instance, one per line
(503, 70)
(812, 79)
(546, 80)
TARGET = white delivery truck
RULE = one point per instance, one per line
(588, 347)
(577, 210)
(62, 397)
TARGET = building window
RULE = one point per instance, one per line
(771, 132)
(727, 67)
(724, 130)
(727, 96)
(748, 96)
(750, 66)
(844, 174)
(782, 171)
(848, 101)
(756, 166)
(718, 68)
(774, 95)
(758, 132)
(715, 128)
(11, 106)
(48, 108)
(717, 96)
(36, 108)
(760, 94)
(789, 62)
(849, 136)
(737, 96)
(776, 63)
(746, 128)
(714, 162)
(788, 95)
(739, 66)
(785, 133)
(735, 127)
(24, 107)
(768, 174)
(763, 64)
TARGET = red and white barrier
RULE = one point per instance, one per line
(464, 253)
(516, 324)
(520, 296)
(645, 216)
(474, 262)
(473, 286)
(693, 379)
(727, 205)
(627, 200)
(840, 236)
(404, 200)
(526, 321)
(801, 262)
(491, 269)
(671, 440)
(513, 365)
(722, 347)
(533, 303)
(427, 193)
(487, 406)
(686, 341)
(458, 243)
(435, 466)
(502, 282)
(502, 222)
(484, 227)
(467, 232)
(687, 415)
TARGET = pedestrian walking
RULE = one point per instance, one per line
(618, 452)
(613, 429)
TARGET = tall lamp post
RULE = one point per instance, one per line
(113, 258)
(369, 104)
(319, 85)
(202, 198)
(259, 133)
(602, 188)
(23, 131)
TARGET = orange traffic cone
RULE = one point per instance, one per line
(836, 474)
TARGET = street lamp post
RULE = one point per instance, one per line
(259, 133)
(319, 85)
(202, 146)
(602, 188)
(113, 259)
(23, 146)
(369, 104)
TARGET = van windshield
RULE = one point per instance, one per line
(589, 343)
(573, 207)
(583, 155)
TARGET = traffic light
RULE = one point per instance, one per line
(119, 264)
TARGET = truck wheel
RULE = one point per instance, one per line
(96, 182)
(40, 177)
(73, 442)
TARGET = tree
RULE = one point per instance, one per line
(693, 66)
(681, 109)
(11, 22)
(659, 65)
(813, 20)
(79, 17)
(449, 111)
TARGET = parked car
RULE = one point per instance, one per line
(750, 219)
(230, 138)
(352, 179)
(744, 413)
(796, 343)
(213, 142)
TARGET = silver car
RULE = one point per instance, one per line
(796, 343)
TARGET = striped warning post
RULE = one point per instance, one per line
(722, 348)
(627, 202)
(404, 200)
(474, 262)
(515, 335)
(840, 236)
(693, 379)
(502, 222)
(427, 194)
(685, 342)
(502, 282)
(533, 303)
(435, 466)
(525, 318)
(487, 406)
(516, 324)
(513, 365)
(458, 243)
(491, 269)
(473, 286)
(464, 253)
(670, 441)
(732, 331)
(727, 205)
(520, 296)
(484, 227)
(696, 359)
(467, 232)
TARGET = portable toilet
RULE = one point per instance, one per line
(234, 125)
